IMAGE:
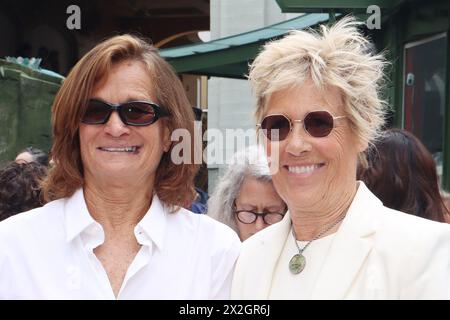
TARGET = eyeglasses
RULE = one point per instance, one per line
(249, 217)
(317, 124)
(133, 113)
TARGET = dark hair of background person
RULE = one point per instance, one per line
(20, 187)
(38, 155)
(402, 174)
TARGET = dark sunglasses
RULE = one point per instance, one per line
(133, 113)
(317, 124)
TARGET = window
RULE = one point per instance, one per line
(424, 92)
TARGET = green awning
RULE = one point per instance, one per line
(229, 57)
(337, 5)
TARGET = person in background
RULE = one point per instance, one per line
(200, 204)
(245, 198)
(401, 172)
(201, 199)
(31, 154)
(20, 188)
(318, 107)
(115, 226)
(446, 198)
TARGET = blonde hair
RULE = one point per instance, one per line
(336, 56)
(173, 183)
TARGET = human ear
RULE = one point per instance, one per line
(167, 143)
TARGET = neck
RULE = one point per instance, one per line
(118, 208)
(309, 223)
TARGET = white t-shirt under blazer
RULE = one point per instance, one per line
(47, 253)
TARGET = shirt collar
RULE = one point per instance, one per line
(78, 219)
(153, 224)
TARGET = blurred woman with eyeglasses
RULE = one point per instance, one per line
(245, 198)
(318, 109)
(115, 227)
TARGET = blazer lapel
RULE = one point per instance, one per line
(266, 258)
(350, 247)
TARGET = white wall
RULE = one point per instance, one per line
(230, 103)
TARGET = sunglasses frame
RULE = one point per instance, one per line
(159, 111)
(299, 121)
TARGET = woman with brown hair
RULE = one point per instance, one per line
(401, 172)
(115, 226)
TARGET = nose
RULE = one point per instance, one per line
(115, 127)
(298, 140)
(259, 223)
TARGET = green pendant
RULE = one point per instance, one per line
(297, 263)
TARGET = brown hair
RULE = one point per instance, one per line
(19, 187)
(173, 183)
(402, 174)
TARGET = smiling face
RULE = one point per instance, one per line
(313, 173)
(115, 150)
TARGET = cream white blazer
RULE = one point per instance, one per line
(377, 253)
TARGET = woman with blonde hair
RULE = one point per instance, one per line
(115, 227)
(318, 108)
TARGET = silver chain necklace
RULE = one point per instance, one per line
(298, 261)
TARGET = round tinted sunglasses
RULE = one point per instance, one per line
(318, 124)
(133, 113)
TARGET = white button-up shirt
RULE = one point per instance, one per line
(47, 253)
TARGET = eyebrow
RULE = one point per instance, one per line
(138, 98)
(129, 99)
(275, 208)
(245, 205)
(271, 209)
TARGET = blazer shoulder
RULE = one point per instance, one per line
(411, 231)
(398, 218)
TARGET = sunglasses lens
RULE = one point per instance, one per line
(319, 123)
(96, 113)
(140, 113)
(276, 127)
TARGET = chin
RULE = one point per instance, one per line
(112, 170)
(300, 193)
